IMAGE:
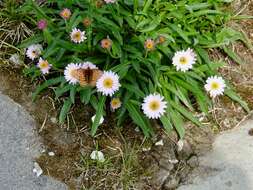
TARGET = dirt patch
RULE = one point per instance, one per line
(226, 113)
(131, 162)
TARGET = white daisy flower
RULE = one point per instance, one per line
(34, 51)
(183, 60)
(154, 106)
(108, 83)
(115, 103)
(70, 73)
(215, 86)
(97, 155)
(101, 119)
(87, 64)
(44, 66)
(77, 35)
(110, 1)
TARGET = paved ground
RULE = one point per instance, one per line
(229, 166)
(18, 148)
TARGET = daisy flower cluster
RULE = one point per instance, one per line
(34, 52)
(77, 36)
(113, 77)
(107, 84)
(184, 61)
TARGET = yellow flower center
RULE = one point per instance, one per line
(108, 82)
(34, 53)
(106, 43)
(183, 60)
(215, 86)
(77, 36)
(74, 73)
(161, 39)
(65, 14)
(154, 105)
(43, 64)
(115, 102)
(149, 45)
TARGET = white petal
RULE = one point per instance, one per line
(101, 119)
(97, 155)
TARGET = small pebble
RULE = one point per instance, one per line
(137, 129)
(180, 145)
(146, 149)
(193, 161)
(37, 169)
(53, 120)
(159, 143)
(174, 161)
(51, 153)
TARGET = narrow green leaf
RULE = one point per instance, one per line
(231, 94)
(99, 114)
(64, 111)
(46, 84)
(185, 113)
(139, 119)
(166, 123)
(72, 94)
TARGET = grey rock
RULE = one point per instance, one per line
(193, 161)
(19, 145)
(171, 184)
(228, 166)
(186, 151)
(160, 177)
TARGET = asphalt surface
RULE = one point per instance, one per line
(229, 165)
(19, 146)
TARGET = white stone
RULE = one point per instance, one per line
(51, 153)
(15, 59)
(137, 129)
(174, 161)
(159, 143)
(228, 166)
(37, 169)
(180, 145)
(146, 149)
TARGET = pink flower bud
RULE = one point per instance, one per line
(42, 24)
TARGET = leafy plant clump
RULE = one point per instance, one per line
(146, 59)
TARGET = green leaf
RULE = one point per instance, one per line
(99, 114)
(61, 90)
(178, 123)
(139, 119)
(46, 84)
(180, 32)
(134, 89)
(72, 94)
(185, 113)
(32, 40)
(231, 94)
(64, 110)
(85, 95)
(166, 123)
(233, 55)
